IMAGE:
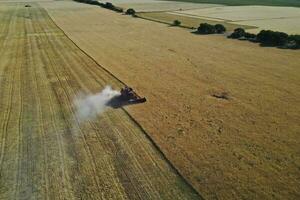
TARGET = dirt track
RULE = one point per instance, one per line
(246, 146)
(44, 153)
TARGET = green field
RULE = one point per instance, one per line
(294, 3)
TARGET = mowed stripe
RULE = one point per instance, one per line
(45, 152)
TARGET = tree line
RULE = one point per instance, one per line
(264, 37)
(109, 6)
(268, 38)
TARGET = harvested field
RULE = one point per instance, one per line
(244, 13)
(286, 19)
(187, 21)
(224, 112)
(289, 3)
(256, 18)
(153, 5)
(288, 25)
(44, 152)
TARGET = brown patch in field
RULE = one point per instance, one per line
(221, 95)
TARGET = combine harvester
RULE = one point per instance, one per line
(131, 97)
(127, 97)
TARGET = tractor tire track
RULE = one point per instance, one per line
(56, 54)
(10, 79)
(12, 106)
(59, 138)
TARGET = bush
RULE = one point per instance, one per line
(269, 38)
(176, 22)
(102, 5)
(117, 9)
(206, 28)
(249, 35)
(272, 38)
(237, 33)
(220, 28)
(130, 11)
(109, 5)
(93, 2)
(295, 39)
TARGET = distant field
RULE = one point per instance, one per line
(186, 21)
(286, 19)
(244, 13)
(290, 26)
(150, 5)
(191, 14)
(295, 3)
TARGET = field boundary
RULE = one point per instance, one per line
(162, 22)
(176, 171)
(201, 19)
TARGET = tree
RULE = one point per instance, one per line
(109, 5)
(272, 38)
(176, 22)
(220, 28)
(117, 9)
(237, 33)
(295, 39)
(206, 28)
(93, 2)
(130, 11)
(249, 35)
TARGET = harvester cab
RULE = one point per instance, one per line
(129, 96)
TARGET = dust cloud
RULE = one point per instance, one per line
(88, 107)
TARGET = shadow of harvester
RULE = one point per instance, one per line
(124, 100)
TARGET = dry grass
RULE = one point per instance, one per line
(44, 152)
(242, 147)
